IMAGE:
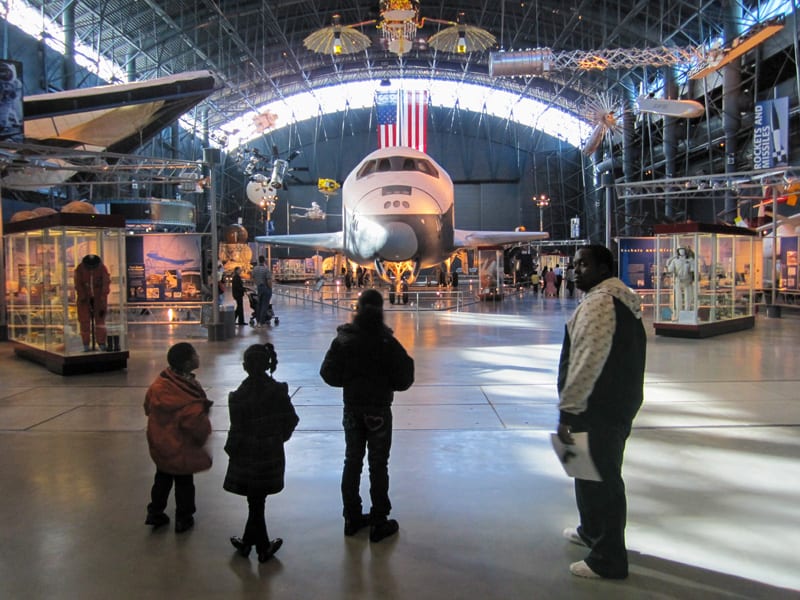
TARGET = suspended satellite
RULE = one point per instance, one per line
(399, 22)
(603, 115)
(328, 187)
(315, 213)
(261, 193)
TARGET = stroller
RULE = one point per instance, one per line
(252, 299)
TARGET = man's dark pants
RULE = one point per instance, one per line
(602, 505)
(362, 432)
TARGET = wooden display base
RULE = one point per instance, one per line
(89, 362)
(704, 330)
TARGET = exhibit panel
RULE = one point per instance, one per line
(64, 282)
(706, 282)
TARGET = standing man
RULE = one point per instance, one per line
(237, 290)
(262, 278)
(600, 381)
(371, 365)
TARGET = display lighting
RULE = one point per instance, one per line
(542, 201)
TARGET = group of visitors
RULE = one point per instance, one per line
(365, 359)
(603, 338)
(261, 277)
(550, 281)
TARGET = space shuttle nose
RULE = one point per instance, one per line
(401, 242)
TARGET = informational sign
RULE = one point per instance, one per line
(771, 133)
(637, 262)
(575, 227)
(164, 268)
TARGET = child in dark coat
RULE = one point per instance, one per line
(262, 419)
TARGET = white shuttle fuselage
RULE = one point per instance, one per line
(398, 216)
(397, 207)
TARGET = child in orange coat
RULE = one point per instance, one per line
(177, 429)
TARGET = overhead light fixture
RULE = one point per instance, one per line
(337, 43)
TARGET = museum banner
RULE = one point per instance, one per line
(771, 133)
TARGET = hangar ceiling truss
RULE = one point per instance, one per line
(256, 47)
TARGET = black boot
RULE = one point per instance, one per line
(353, 526)
(383, 529)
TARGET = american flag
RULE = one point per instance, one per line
(402, 119)
(386, 106)
(414, 120)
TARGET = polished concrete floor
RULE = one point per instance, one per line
(712, 470)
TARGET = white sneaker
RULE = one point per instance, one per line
(571, 534)
(581, 569)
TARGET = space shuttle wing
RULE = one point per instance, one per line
(331, 242)
(463, 238)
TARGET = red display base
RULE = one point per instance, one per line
(91, 362)
(704, 330)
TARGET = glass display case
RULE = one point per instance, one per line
(65, 283)
(490, 274)
(706, 281)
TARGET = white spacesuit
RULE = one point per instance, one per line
(681, 267)
(10, 100)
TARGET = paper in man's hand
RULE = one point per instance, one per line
(575, 458)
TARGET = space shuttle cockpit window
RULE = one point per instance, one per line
(367, 169)
(424, 166)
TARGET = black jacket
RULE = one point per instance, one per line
(237, 287)
(369, 363)
(262, 419)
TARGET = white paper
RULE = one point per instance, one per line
(575, 458)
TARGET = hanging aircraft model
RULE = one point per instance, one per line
(64, 129)
(398, 217)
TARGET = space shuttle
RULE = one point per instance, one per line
(398, 217)
(62, 129)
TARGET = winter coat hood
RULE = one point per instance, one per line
(614, 287)
(177, 423)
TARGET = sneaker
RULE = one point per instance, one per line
(157, 520)
(353, 526)
(581, 569)
(383, 530)
(571, 534)
(184, 524)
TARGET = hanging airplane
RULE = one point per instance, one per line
(60, 128)
(682, 109)
(398, 217)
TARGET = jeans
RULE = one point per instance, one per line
(184, 494)
(264, 298)
(364, 431)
